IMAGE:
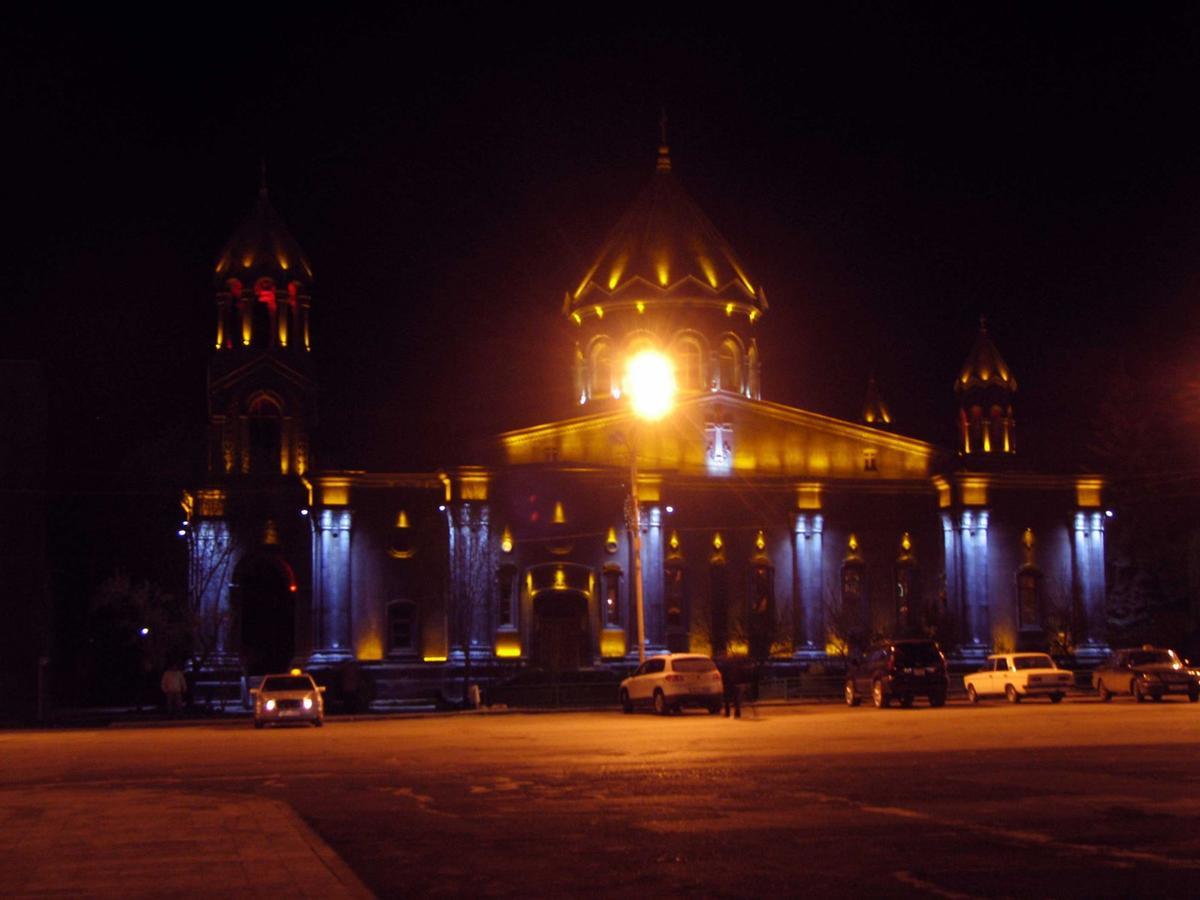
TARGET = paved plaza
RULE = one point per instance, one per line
(1080, 799)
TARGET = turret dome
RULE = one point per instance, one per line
(262, 247)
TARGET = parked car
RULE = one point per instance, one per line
(1018, 675)
(1145, 672)
(293, 697)
(670, 682)
(898, 670)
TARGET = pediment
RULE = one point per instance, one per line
(263, 368)
(722, 435)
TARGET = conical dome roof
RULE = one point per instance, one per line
(262, 247)
(665, 249)
(984, 366)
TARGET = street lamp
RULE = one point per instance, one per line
(650, 386)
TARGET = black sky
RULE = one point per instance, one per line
(888, 173)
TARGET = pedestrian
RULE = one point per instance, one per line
(731, 682)
(174, 686)
(474, 699)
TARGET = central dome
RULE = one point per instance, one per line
(665, 280)
(665, 249)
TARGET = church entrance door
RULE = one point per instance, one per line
(560, 632)
(264, 601)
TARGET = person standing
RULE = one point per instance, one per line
(731, 682)
(174, 686)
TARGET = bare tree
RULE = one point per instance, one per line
(846, 633)
(208, 615)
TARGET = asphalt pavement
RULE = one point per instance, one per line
(1078, 799)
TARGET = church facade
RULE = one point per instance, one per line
(764, 529)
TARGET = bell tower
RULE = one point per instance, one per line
(261, 395)
(985, 389)
(249, 564)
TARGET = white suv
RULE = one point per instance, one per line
(670, 682)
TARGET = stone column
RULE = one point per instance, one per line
(1088, 576)
(952, 566)
(471, 579)
(808, 552)
(331, 585)
(973, 538)
(652, 575)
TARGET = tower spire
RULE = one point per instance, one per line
(664, 151)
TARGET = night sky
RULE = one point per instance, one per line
(888, 173)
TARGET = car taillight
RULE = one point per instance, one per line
(674, 678)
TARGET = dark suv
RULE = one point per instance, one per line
(898, 670)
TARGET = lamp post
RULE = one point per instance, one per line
(650, 386)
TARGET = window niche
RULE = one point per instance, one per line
(675, 605)
(906, 582)
(1029, 598)
(506, 593)
(610, 600)
(402, 628)
(264, 427)
(762, 608)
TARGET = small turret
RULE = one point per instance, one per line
(985, 389)
(875, 411)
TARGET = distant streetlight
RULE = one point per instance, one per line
(650, 386)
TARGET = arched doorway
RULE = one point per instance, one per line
(263, 597)
(560, 630)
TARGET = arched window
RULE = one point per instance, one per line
(264, 313)
(729, 365)
(402, 627)
(602, 370)
(689, 364)
(265, 436)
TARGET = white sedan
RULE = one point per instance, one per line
(667, 683)
(293, 697)
(1018, 675)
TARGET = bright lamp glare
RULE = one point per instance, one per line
(650, 384)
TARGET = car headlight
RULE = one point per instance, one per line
(308, 702)
(269, 705)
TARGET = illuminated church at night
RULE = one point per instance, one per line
(764, 529)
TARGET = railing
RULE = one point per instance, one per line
(553, 696)
(802, 687)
